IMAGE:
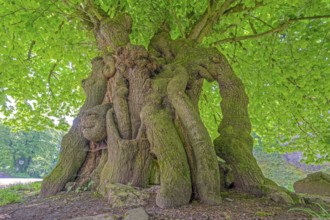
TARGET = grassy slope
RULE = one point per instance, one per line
(18, 192)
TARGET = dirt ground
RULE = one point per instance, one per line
(70, 205)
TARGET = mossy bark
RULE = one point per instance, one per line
(207, 172)
(74, 145)
(235, 142)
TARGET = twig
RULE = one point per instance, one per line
(30, 49)
(51, 72)
(262, 21)
(241, 7)
(281, 27)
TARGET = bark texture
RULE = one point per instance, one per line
(74, 145)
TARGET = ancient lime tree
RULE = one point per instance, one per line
(141, 109)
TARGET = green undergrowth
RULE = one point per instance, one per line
(322, 213)
(17, 193)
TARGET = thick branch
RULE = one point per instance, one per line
(110, 33)
(166, 144)
(207, 179)
(272, 31)
(120, 105)
(95, 12)
(209, 18)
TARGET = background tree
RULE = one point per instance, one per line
(153, 89)
(31, 154)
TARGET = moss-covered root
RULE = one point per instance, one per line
(235, 151)
(75, 147)
(207, 175)
(166, 144)
(235, 143)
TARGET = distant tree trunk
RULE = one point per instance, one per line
(22, 163)
(141, 105)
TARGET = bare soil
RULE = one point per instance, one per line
(69, 205)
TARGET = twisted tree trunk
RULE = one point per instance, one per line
(142, 105)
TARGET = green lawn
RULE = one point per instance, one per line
(17, 193)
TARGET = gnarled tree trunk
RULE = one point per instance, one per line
(141, 105)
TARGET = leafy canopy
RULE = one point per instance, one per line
(280, 49)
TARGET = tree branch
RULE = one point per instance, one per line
(30, 49)
(211, 15)
(265, 23)
(51, 73)
(281, 27)
(253, 28)
(253, 36)
(298, 124)
(241, 7)
(14, 12)
(223, 30)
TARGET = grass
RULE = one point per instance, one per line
(16, 193)
(263, 214)
(321, 214)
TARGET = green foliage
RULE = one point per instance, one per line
(9, 196)
(209, 108)
(16, 193)
(28, 154)
(43, 56)
(287, 77)
(286, 74)
(277, 169)
(46, 51)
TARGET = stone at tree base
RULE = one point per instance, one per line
(281, 197)
(316, 184)
(136, 214)
(120, 195)
(312, 199)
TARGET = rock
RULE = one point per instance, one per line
(229, 200)
(96, 217)
(312, 199)
(281, 197)
(69, 186)
(315, 184)
(136, 214)
(120, 195)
